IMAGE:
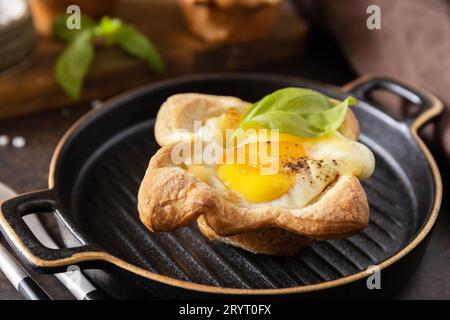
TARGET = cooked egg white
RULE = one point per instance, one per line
(306, 167)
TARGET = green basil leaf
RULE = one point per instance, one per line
(130, 40)
(288, 123)
(285, 99)
(138, 45)
(108, 28)
(332, 118)
(61, 32)
(298, 111)
(73, 64)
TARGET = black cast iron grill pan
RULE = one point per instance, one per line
(99, 164)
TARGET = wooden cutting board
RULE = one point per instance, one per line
(30, 87)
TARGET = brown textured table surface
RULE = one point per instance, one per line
(27, 169)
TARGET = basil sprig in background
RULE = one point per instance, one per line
(73, 64)
(298, 111)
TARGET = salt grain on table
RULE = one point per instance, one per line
(4, 140)
(18, 142)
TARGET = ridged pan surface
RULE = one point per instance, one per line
(103, 202)
(108, 203)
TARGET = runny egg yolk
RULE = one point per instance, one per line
(253, 186)
(248, 180)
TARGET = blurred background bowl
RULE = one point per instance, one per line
(17, 37)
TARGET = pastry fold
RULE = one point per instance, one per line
(170, 197)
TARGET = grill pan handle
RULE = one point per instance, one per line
(429, 106)
(27, 246)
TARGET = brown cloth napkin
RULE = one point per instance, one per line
(413, 43)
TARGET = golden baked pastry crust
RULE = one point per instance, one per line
(231, 21)
(180, 111)
(170, 197)
(272, 241)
